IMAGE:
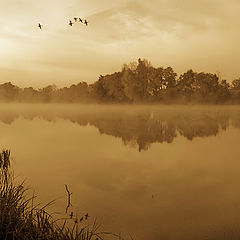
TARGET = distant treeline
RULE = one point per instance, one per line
(137, 82)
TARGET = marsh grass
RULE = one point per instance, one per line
(21, 219)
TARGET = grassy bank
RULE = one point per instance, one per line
(20, 218)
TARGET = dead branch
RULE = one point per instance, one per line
(69, 199)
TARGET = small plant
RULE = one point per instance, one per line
(20, 219)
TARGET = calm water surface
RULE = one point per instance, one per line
(155, 172)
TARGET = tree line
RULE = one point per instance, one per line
(137, 82)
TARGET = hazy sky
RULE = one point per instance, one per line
(202, 35)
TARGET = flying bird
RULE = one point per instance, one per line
(40, 26)
(80, 20)
(86, 22)
(70, 23)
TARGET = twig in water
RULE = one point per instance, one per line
(69, 198)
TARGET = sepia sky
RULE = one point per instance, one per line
(202, 35)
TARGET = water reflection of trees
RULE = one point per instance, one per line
(140, 129)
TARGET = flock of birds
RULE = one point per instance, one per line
(71, 22)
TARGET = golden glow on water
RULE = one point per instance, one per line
(186, 189)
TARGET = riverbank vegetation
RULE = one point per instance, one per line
(21, 219)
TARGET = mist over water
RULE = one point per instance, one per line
(137, 126)
(157, 172)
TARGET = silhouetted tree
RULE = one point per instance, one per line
(206, 87)
(236, 84)
(223, 93)
(112, 87)
(29, 95)
(235, 91)
(9, 92)
(75, 93)
(186, 85)
(137, 82)
(47, 94)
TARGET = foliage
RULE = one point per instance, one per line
(137, 82)
(21, 219)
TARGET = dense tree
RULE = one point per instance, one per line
(142, 82)
(29, 95)
(48, 94)
(137, 82)
(223, 92)
(236, 84)
(112, 87)
(202, 87)
(9, 92)
(186, 85)
(206, 87)
(75, 93)
(235, 90)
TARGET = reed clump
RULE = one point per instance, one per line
(20, 219)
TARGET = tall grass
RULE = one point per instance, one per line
(20, 219)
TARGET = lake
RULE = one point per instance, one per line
(152, 172)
